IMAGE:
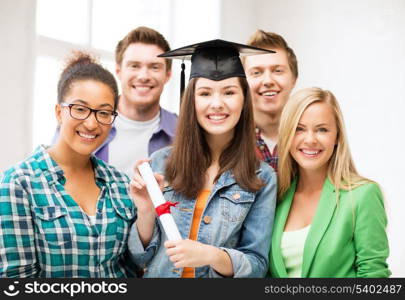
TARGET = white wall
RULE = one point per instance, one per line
(16, 78)
(356, 49)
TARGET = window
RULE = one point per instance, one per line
(96, 27)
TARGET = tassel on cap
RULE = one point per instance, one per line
(182, 80)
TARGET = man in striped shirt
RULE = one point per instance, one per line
(271, 79)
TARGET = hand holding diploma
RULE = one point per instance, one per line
(160, 205)
(149, 200)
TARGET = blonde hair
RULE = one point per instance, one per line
(341, 170)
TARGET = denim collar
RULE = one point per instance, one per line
(227, 178)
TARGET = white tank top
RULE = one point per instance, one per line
(292, 250)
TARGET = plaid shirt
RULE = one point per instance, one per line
(264, 153)
(44, 233)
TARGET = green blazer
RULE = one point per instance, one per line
(347, 238)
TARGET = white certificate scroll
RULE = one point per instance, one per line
(167, 221)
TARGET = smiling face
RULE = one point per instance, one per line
(271, 81)
(84, 136)
(315, 138)
(142, 75)
(218, 106)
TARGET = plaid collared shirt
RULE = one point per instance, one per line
(264, 153)
(44, 233)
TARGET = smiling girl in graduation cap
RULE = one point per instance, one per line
(225, 196)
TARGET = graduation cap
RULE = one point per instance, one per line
(215, 59)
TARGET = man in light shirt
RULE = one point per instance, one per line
(142, 125)
(271, 78)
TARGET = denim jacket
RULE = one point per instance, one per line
(237, 221)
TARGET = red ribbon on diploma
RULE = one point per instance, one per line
(165, 208)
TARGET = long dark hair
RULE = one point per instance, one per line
(190, 157)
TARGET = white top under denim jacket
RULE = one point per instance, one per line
(240, 222)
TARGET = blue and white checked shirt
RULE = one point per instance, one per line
(44, 233)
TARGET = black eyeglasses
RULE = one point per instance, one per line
(81, 112)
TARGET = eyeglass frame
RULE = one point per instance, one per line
(91, 110)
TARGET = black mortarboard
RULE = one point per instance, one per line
(215, 59)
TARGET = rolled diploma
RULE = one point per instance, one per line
(167, 221)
